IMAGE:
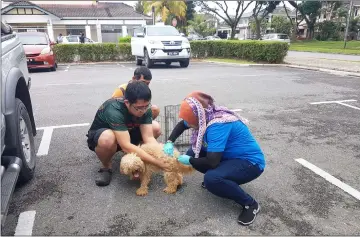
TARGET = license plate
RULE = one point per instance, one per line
(173, 53)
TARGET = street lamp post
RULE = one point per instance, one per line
(347, 23)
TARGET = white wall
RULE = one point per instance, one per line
(27, 18)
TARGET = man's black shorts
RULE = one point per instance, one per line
(93, 137)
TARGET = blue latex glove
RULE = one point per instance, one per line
(169, 149)
(184, 159)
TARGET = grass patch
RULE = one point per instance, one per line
(352, 47)
(230, 60)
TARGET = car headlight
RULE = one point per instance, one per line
(46, 50)
(154, 41)
(186, 42)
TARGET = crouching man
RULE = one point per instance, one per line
(121, 124)
(141, 74)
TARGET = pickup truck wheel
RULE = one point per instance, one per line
(25, 140)
(184, 63)
(138, 61)
(148, 62)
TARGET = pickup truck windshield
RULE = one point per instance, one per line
(162, 31)
(33, 39)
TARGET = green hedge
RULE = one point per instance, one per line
(125, 39)
(252, 50)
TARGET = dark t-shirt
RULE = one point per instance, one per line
(113, 114)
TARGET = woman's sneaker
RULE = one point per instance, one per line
(203, 185)
(248, 214)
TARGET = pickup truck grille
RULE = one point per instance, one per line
(171, 43)
(171, 50)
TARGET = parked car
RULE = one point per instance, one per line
(39, 50)
(75, 39)
(277, 37)
(18, 157)
(160, 43)
(212, 37)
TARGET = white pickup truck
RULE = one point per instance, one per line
(160, 43)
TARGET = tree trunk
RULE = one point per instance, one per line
(233, 31)
(257, 28)
(294, 32)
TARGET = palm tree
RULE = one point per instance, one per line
(166, 7)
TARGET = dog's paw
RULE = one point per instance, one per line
(169, 190)
(141, 192)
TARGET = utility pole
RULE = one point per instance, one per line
(153, 14)
(347, 23)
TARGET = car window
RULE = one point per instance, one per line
(72, 38)
(162, 31)
(283, 37)
(27, 39)
(138, 30)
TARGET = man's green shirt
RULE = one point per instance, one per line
(113, 114)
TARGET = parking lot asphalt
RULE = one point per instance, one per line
(289, 124)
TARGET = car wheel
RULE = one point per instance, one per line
(53, 68)
(185, 63)
(148, 62)
(26, 148)
(138, 62)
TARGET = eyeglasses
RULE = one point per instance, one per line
(142, 108)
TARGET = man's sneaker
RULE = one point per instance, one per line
(248, 214)
(103, 177)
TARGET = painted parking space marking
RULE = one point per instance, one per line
(340, 102)
(25, 223)
(45, 142)
(65, 126)
(328, 177)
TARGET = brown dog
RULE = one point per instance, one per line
(133, 166)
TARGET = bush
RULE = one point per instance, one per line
(252, 50)
(66, 53)
(126, 39)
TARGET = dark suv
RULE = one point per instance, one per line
(18, 158)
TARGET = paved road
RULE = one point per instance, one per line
(294, 199)
(324, 56)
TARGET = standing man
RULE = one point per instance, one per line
(121, 124)
(141, 74)
(82, 38)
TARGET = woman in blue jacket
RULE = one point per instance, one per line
(223, 149)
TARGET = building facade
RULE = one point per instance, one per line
(99, 21)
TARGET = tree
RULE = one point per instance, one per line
(281, 24)
(294, 23)
(201, 26)
(222, 11)
(165, 8)
(309, 10)
(264, 8)
(139, 7)
(262, 25)
(190, 10)
(328, 30)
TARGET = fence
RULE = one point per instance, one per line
(168, 119)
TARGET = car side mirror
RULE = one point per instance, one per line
(141, 35)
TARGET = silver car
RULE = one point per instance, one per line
(277, 37)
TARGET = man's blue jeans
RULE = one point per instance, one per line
(224, 180)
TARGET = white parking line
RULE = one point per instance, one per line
(65, 126)
(353, 192)
(68, 84)
(331, 102)
(67, 68)
(25, 223)
(340, 102)
(45, 142)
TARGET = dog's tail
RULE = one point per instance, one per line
(184, 169)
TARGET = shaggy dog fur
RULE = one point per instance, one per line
(134, 167)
